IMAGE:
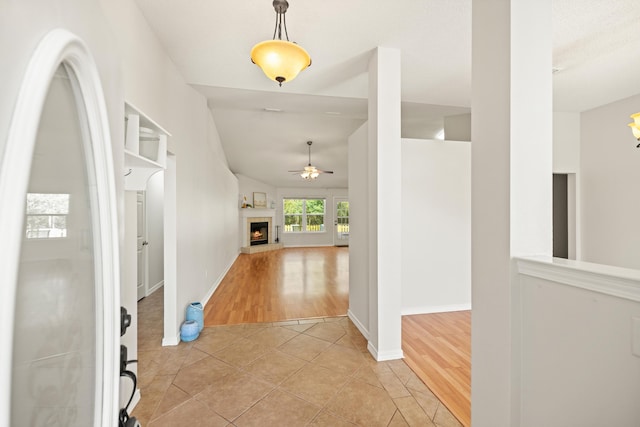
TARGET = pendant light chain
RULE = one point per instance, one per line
(275, 29)
(281, 20)
(284, 19)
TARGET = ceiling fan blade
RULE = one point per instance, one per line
(310, 171)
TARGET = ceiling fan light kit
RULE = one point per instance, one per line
(280, 60)
(310, 172)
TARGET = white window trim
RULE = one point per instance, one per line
(304, 215)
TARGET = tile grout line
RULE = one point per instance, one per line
(332, 344)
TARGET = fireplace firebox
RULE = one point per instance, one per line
(259, 233)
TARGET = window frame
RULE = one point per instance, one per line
(304, 216)
(50, 216)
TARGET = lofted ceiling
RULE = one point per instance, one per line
(264, 128)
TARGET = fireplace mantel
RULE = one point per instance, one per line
(246, 217)
(251, 213)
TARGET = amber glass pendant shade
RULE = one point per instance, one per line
(280, 60)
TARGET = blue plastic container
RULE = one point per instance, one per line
(189, 331)
(195, 312)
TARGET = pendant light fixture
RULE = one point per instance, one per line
(280, 60)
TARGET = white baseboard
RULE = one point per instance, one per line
(435, 309)
(385, 355)
(358, 323)
(309, 246)
(215, 285)
(388, 355)
(169, 341)
(155, 287)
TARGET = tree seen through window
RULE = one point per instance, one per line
(304, 215)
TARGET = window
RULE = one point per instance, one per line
(303, 215)
(47, 215)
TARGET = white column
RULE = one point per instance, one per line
(511, 187)
(385, 296)
(171, 319)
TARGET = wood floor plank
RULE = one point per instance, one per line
(285, 284)
(298, 283)
(438, 348)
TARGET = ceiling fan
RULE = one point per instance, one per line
(310, 172)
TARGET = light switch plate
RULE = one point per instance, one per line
(635, 335)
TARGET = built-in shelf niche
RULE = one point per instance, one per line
(145, 148)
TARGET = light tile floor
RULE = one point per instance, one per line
(311, 372)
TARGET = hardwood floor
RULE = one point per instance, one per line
(291, 283)
(438, 349)
(298, 283)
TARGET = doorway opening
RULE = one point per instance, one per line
(341, 222)
(564, 216)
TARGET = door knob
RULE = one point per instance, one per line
(145, 243)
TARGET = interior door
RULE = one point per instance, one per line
(341, 215)
(59, 270)
(141, 245)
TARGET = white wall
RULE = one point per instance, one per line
(610, 173)
(207, 192)
(511, 191)
(458, 127)
(247, 186)
(154, 198)
(577, 363)
(358, 230)
(436, 226)
(566, 142)
(566, 160)
(309, 239)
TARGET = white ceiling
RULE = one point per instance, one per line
(596, 49)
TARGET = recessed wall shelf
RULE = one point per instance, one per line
(145, 148)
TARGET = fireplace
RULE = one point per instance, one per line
(259, 233)
(256, 227)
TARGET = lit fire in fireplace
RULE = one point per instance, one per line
(258, 233)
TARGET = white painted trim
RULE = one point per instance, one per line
(168, 342)
(308, 246)
(430, 309)
(358, 323)
(372, 349)
(215, 285)
(256, 212)
(155, 287)
(388, 355)
(171, 325)
(605, 279)
(60, 47)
